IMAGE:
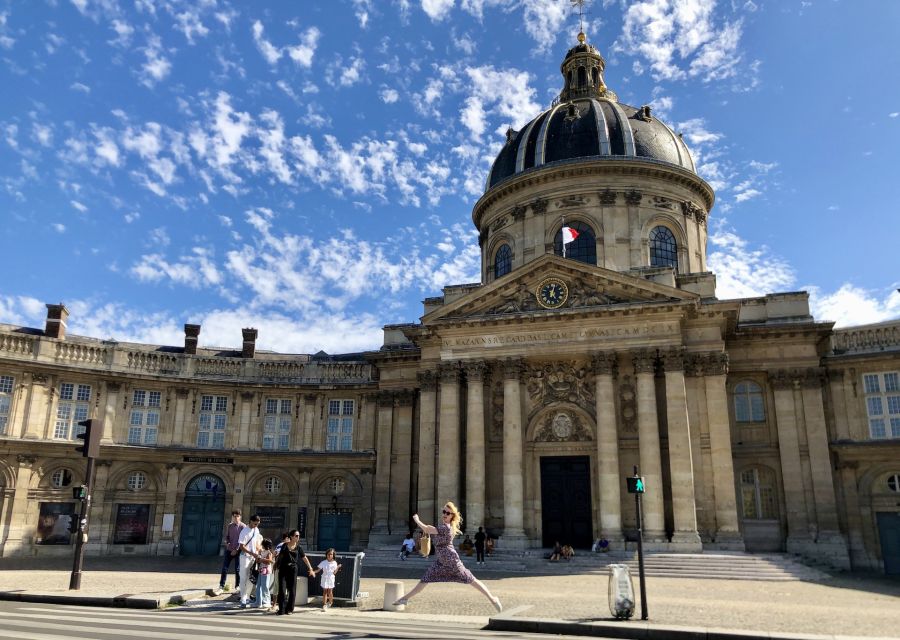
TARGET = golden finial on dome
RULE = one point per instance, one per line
(581, 37)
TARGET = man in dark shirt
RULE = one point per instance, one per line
(479, 545)
(232, 549)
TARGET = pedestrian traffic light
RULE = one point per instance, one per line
(635, 484)
(91, 437)
(79, 492)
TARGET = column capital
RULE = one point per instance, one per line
(247, 396)
(835, 375)
(475, 371)
(603, 362)
(644, 361)
(385, 399)
(242, 468)
(513, 368)
(310, 398)
(695, 365)
(673, 359)
(427, 380)
(174, 465)
(715, 364)
(449, 372)
(405, 397)
(182, 392)
(781, 379)
(40, 378)
(812, 378)
(26, 461)
(104, 463)
(113, 387)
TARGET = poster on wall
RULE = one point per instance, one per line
(271, 522)
(132, 524)
(301, 521)
(54, 521)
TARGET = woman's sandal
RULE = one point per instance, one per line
(497, 605)
(401, 602)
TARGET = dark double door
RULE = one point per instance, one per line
(566, 501)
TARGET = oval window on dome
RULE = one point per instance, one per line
(663, 248)
(583, 248)
(502, 261)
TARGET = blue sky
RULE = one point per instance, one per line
(309, 168)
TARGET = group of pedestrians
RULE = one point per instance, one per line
(258, 564)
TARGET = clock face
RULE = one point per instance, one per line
(552, 293)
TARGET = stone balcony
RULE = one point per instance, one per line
(867, 339)
(18, 344)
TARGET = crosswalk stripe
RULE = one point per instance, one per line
(71, 629)
(311, 624)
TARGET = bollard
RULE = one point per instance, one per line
(302, 590)
(393, 590)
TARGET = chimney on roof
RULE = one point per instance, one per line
(57, 314)
(249, 349)
(191, 338)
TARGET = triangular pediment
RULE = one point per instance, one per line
(585, 286)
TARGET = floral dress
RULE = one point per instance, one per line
(447, 567)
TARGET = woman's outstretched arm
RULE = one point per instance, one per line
(426, 528)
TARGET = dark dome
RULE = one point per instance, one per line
(589, 128)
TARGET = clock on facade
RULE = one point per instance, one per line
(552, 293)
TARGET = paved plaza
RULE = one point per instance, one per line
(849, 604)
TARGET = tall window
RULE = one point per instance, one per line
(883, 404)
(583, 248)
(758, 501)
(144, 422)
(6, 389)
(74, 403)
(503, 261)
(277, 424)
(340, 425)
(663, 248)
(213, 419)
(750, 412)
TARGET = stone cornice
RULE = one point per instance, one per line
(632, 167)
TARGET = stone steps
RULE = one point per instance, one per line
(724, 566)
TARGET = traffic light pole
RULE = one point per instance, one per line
(640, 547)
(75, 579)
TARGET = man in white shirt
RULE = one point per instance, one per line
(248, 542)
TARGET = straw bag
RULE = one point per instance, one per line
(425, 546)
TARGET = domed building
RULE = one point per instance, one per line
(593, 346)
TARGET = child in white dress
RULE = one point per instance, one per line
(329, 568)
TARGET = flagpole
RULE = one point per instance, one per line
(562, 236)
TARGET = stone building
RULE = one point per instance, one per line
(526, 398)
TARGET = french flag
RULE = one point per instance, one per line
(568, 235)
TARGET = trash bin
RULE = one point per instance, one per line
(346, 582)
(621, 592)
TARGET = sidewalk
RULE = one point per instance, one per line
(848, 605)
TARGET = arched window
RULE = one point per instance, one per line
(137, 481)
(582, 78)
(502, 261)
(594, 76)
(583, 248)
(663, 248)
(758, 498)
(748, 403)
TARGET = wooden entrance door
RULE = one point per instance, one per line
(203, 516)
(566, 501)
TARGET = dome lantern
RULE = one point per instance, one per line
(582, 71)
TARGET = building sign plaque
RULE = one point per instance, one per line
(208, 460)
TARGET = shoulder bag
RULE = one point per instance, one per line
(425, 546)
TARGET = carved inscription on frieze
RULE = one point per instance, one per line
(555, 336)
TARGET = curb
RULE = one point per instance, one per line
(645, 630)
(123, 601)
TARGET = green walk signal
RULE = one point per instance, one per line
(79, 492)
(635, 484)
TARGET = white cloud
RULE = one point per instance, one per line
(437, 10)
(747, 194)
(894, 114)
(744, 272)
(78, 86)
(851, 305)
(157, 66)
(42, 134)
(505, 93)
(59, 227)
(188, 22)
(302, 54)
(544, 19)
(78, 206)
(362, 9)
(124, 31)
(196, 270)
(389, 96)
(270, 52)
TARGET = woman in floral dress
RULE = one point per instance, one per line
(447, 567)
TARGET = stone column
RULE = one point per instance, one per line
(40, 406)
(15, 428)
(681, 462)
(427, 407)
(182, 405)
(829, 539)
(380, 527)
(100, 519)
(16, 541)
(303, 501)
(244, 433)
(609, 478)
(168, 541)
(859, 556)
(648, 442)
(715, 368)
(401, 460)
(309, 419)
(475, 458)
(109, 412)
(791, 471)
(240, 489)
(841, 419)
(513, 469)
(448, 436)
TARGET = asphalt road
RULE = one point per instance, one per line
(47, 622)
